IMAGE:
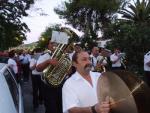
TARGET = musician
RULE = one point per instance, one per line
(79, 91)
(101, 63)
(36, 79)
(115, 59)
(25, 59)
(76, 48)
(94, 57)
(52, 95)
(147, 67)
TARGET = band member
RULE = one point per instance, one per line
(52, 95)
(115, 59)
(101, 64)
(25, 59)
(79, 91)
(94, 57)
(147, 67)
(36, 80)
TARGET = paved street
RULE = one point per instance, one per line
(27, 94)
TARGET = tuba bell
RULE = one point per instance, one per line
(54, 75)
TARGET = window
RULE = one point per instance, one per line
(12, 87)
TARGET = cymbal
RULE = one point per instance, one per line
(139, 89)
(121, 99)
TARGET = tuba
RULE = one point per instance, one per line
(54, 75)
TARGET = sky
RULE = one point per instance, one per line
(37, 23)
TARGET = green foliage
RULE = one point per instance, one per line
(12, 30)
(134, 40)
(136, 11)
(132, 33)
(89, 16)
(46, 36)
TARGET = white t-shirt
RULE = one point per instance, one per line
(77, 92)
(12, 64)
(146, 60)
(113, 58)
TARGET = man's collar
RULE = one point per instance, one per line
(78, 76)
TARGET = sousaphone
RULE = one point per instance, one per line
(127, 92)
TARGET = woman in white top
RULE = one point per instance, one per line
(12, 63)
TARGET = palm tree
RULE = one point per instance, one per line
(137, 11)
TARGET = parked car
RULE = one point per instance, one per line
(3, 59)
(11, 100)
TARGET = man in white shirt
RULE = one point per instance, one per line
(24, 59)
(94, 58)
(36, 80)
(79, 91)
(52, 95)
(115, 59)
(147, 67)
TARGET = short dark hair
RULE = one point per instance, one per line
(11, 53)
(75, 56)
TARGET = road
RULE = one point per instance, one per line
(27, 97)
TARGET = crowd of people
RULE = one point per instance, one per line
(77, 93)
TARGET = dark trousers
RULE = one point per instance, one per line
(116, 68)
(52, 99)
(37, 90)
(147, 76)
(26, 70)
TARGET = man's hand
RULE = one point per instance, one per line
(103, 107)
(53, 62)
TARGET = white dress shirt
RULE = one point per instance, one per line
(77, 92)
(113, 58)
(146, 60)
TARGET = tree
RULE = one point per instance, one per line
(131, 33)
(133, 39)
(136, 11)
(12, 30)
(89, 16)
(46, 35)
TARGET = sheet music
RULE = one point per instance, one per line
(60, 37)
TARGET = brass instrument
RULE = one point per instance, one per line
(123, 60)
(127, 93)
(104, 54)
(99, 67)
(54, 75)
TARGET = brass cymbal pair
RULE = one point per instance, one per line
(127, 92)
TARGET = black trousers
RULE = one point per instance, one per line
(147, 77)
(37, 90)
(52, 99)
(26, 70)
